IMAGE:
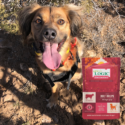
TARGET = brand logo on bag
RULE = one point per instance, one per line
(101, 73)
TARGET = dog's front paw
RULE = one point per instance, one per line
(52, 101)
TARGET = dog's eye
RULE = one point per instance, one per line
(38, 21)
(60, 21)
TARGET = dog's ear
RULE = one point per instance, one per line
(25, 17)
(74, 14)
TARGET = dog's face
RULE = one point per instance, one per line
(50, 25)
(51, 28)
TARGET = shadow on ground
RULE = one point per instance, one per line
(14, 82)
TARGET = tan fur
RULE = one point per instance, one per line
(23, 15)
(72, 16)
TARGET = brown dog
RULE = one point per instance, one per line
(55, 31)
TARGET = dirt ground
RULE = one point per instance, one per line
(23, 99)
(22, 95)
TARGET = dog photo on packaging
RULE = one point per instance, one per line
(56, 43)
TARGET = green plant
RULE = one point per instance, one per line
(6, 23)
(28, 90)
(16, 104)
(26, 123)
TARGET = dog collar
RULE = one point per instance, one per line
(69, 50)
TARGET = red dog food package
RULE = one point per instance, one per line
(101, 83)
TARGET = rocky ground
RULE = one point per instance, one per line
(22, 95)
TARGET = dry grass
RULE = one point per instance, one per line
(8, 21)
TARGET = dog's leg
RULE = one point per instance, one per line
(54, 97)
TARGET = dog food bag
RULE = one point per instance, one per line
(101, 83)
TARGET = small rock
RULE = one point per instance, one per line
(46, 119)
(7, 98)
(123, 81)
(121, 92)
(23, 67)
(33, 71)
(15, 98)
(2, 88)
(77, 109)
(64, 92)
(55, 119)
(91, 53)
(100, 122)
(36, 112)
(62, 105)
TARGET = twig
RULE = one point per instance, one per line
(96, 7)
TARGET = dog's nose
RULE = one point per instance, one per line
(49, 34)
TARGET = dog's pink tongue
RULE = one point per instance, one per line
(51, 58)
